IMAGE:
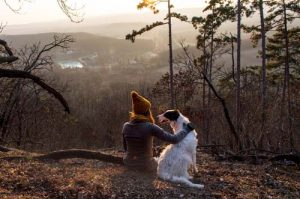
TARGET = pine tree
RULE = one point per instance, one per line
(283, 13)
(152, 4)
(259, 33)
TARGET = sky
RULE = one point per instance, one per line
(37, 11)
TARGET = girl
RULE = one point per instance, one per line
(138, 135)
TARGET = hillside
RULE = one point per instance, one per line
(78, 178)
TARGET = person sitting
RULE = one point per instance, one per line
(138, 135)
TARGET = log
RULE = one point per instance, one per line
(5, 149)
(71, 153)
(260, 157)
(95, 155)
(80, 153)
(289, 157)
(241, 158)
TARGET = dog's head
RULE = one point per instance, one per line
(169, 116)
(174, 118)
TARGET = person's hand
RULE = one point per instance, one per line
(188, 127)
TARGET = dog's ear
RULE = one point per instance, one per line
(172, 115)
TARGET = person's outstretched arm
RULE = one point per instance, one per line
(168, 137)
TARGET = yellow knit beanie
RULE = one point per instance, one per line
(140, 105)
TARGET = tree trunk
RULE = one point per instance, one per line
(232, 58)
(204, 107)
(171, 57)
(286, 84)
(9, 106)
(210, 76)
(238, 68)
(263, 73)
(225, 111)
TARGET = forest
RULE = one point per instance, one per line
(240, 87)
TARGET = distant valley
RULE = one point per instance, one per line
(100, 41)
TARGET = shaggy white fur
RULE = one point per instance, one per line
(175, 159)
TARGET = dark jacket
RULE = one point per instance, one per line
(138, 143)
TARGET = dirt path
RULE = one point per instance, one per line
(78, 178)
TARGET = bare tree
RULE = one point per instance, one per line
(37, 61)
(198, 66)
(32, 60)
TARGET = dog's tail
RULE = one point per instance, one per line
(183, 180)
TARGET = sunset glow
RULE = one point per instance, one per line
(48, 10)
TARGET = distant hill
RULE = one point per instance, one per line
(90, 49)
(84, 41)
(110, 50)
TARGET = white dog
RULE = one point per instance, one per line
(175, 160)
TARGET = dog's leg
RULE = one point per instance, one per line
(164, 176)
(183, 175)
(194, 162)
(185, 167)
(187, 175)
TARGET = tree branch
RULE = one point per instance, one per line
(134, 33)
(22, 74)
(4, 44)
(9, 59)
(71, 11)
